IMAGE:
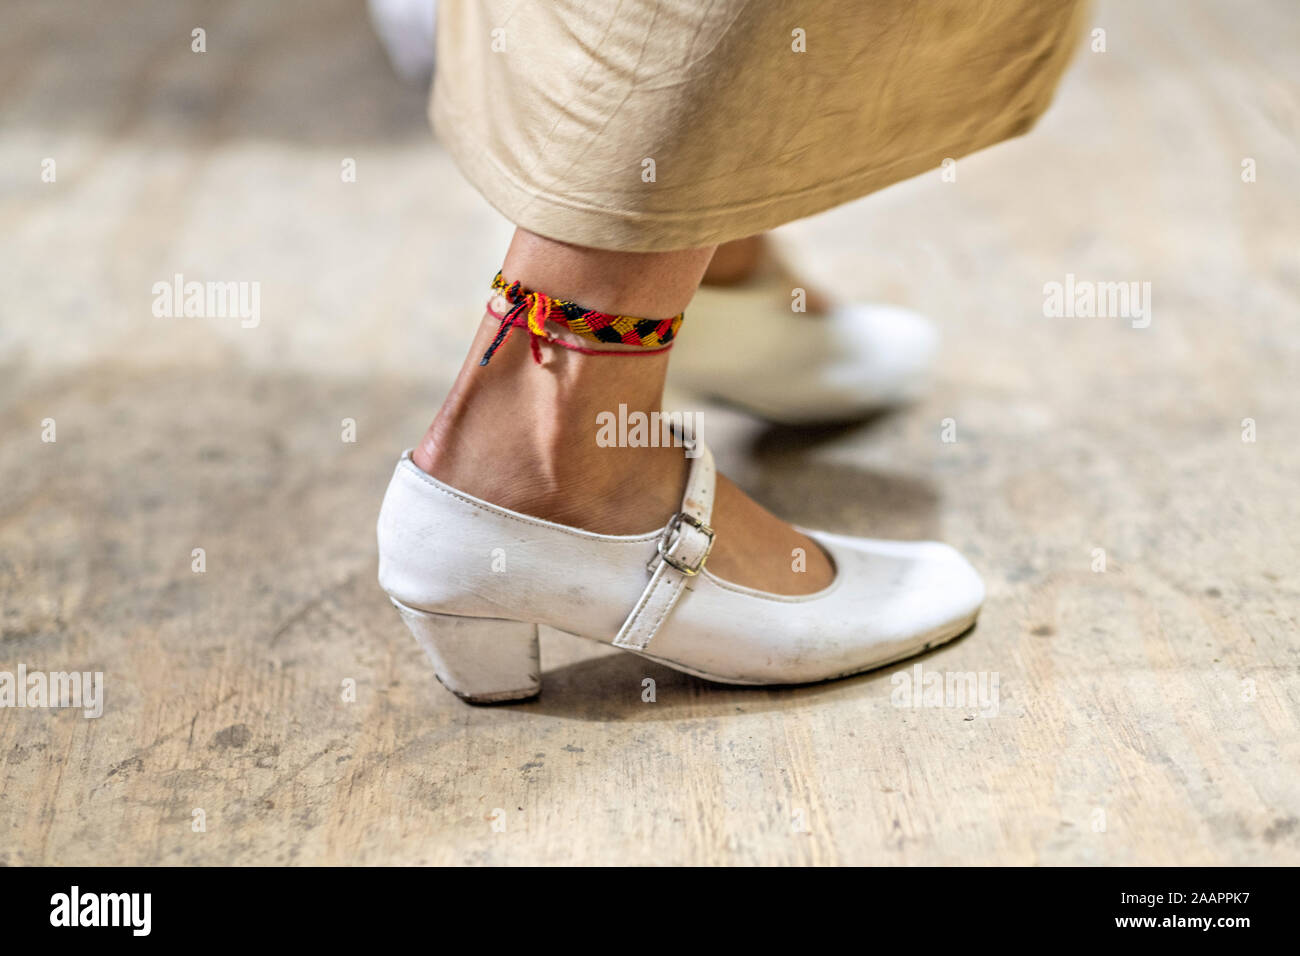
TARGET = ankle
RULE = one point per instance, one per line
(559, 476)
(526, 438)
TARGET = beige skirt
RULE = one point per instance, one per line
(651, 125)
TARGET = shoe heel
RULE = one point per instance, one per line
(481, 660)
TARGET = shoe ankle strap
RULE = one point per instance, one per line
(680, 555)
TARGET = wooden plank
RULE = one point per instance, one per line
(1145, 714)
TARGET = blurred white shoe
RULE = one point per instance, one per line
(405, 27)
(746, 346)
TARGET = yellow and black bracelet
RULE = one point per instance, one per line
(532, 310)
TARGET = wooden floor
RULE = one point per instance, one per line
(1147, 713)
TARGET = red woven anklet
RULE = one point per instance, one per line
(532, 310)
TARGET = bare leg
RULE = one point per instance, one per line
(737, 262)
(524, 437)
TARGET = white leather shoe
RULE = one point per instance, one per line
(473, 581)
(744, 346)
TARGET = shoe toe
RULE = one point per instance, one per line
(917, 589)
(952, 586)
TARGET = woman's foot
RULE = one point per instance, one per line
(527, 439)
(518, 510)
(475, 583)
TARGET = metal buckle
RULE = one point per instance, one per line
(674, 525)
